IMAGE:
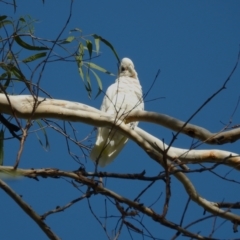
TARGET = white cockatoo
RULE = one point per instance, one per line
(121, 98)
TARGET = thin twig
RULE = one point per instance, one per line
(29, 211)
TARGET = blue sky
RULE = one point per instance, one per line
(195, 45)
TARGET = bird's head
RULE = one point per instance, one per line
(127, 68)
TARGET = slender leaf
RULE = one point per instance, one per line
(79, 60)
(34, 57)
(11, 69)
(75, 30)
(81, 49)
(108, 44)
(89, 89)
(97, 41)
(1, 147)
(28, 46)
(20, 76)
(26, 24)
(89, 47)
(22, 19)
(93, 65)
(79, 63)
(68, 40)
(3, 76)
(17, 72)
(11, 57)
(81, 72)
(6, 76)
(99, 92)
(40, 141)
(88, 79)
(3, 23)
(3, 17)
(99, 84)
(47, 145)
(6, 84)
(98, 80)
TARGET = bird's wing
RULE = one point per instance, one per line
(107, 103)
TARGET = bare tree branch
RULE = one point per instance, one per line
(28, 210)
(107, 192)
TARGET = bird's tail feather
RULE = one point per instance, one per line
(106, 154)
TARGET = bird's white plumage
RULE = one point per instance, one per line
(121, 97)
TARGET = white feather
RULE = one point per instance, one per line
(121, 97)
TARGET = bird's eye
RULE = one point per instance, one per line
(122, 69)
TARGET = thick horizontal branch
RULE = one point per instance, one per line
(191, 130)
(192, 156)
(22, 106)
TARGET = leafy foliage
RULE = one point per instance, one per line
(20, 36)
(22, 51)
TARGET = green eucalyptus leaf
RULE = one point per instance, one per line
(93, 65)
(78, 60)
(75, 30)
(81, 73)
(68, 40)
(99, 92)
(28, 46)
(81, 49)
(3, 76)
(8, 76)
(16, 72)
(108, 44)
(22, 19)
(97, 44)
(3, 17)
(88, 79)
(98, 80)
(34, 57)
(89, 89)
(46, 146)
(89, 47)
(3, 23)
